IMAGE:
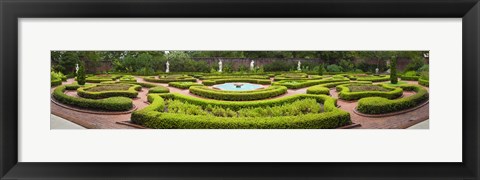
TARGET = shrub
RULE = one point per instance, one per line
(378, 105)
(423, 82)
(410, 73)
(393, 71)
(269, 92)
(108, 104)
(183, 85)
(325, 88)
(221, 81)
(55, 82)
(307, 83)
(409, 78)
(346, 94)
(128, 78)
(85, 93)
(167, 79)
(81, 74)
(374, 78)
(158, 89)
(331, 118)
(334, 68)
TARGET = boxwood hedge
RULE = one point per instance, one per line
(306, 83)
(158, 89)
(410, 78)
(107, 104)
(346, 94)
(265, 93)
(379, 78)
(153, 117)
(423, 82)
(183, 85)
(131, 92)
(168, 79)
(55, 82)
(128, 78)
(379, 105)
(325, 88)
(221, 81)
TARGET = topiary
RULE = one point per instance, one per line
(81, 74)
(393, 71)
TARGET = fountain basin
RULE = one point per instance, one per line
(237, 86)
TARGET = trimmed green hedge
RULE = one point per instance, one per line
(325, 88)
(374, 78)
(131, 92)
(233, 77)
(108, 104)
(99, 79)
(345, 94)
(152, 118)
(424, 82)
(128, 78)
(265, 93)
(302, 84)
(167, 79)
(378, 105)
(221, 81)
(183, 85)
(158, 89)
(410, 78)
(55, 82)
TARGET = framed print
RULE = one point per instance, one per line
(248, 90)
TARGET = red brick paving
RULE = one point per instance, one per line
(100, 121)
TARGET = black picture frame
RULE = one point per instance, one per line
(11, 10)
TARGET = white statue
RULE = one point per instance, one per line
(376, 70)
(252, 65)
(76, 68)
(298, 66)
(168, 67)
(220, 66)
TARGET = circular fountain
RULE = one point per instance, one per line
(237, 86)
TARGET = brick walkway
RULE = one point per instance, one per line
(100, 121)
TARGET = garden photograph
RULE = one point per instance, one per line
(174, 89)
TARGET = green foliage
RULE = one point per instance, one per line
(279, 65)
(346, 94)
(334, 68)
(183, 85)
(415, 64)
(410, 73)
(107, 104)
(306, 83)
(81, 74)
(423, 82)
(374, 78)
(224, 114)
(247, 80)
(158, 89)
(108, 90)
(265, 93)
(325, 88)
(168, 79)
(393, 70)
(378, 105)
(321, 69)
(346, 65)
(128, 79)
